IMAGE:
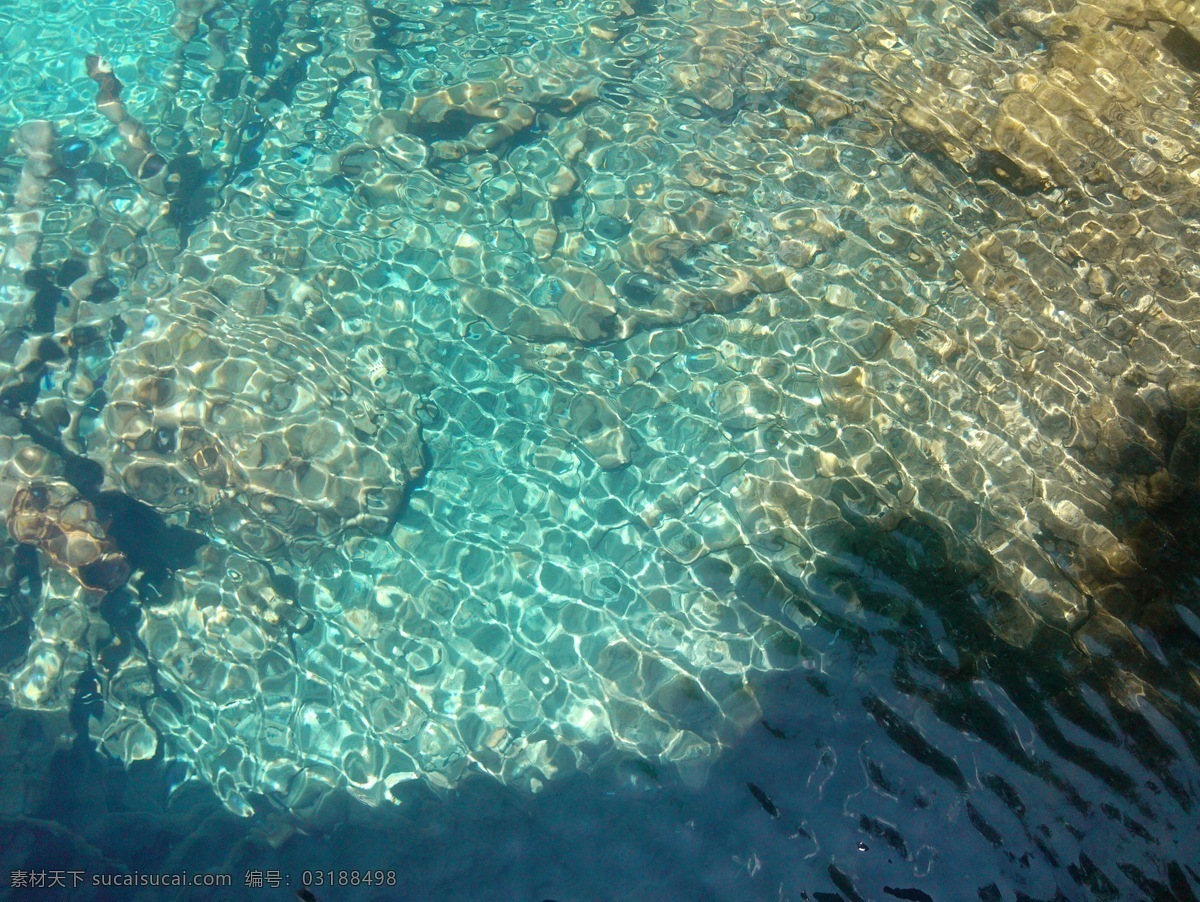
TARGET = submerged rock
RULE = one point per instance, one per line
(255, 428)
(53, 517)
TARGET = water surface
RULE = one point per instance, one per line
(710, 450)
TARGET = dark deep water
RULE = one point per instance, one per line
(653, 450)
(920, 759)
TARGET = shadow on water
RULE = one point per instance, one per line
(922, 756)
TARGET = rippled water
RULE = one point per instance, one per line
(709, 450)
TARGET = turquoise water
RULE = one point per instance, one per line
(754, 442)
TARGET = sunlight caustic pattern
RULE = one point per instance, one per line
(526, 365)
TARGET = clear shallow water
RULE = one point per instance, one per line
(750, 443)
